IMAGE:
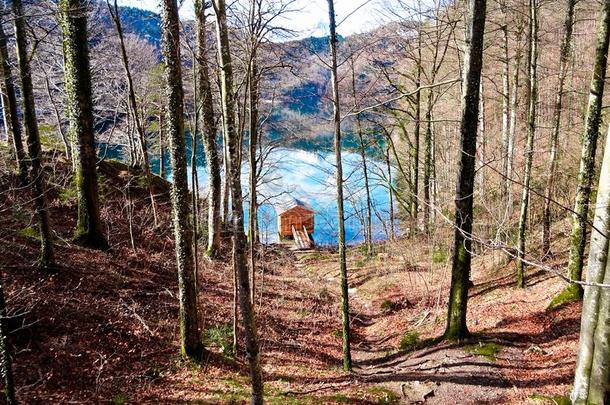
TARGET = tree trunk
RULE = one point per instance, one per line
(239, 238)
(505, 101)
(208, 127)
(347, 357)
(531, 135)
(514, 107)
(133, 105)
(415, 144)
(460, 270)
(47, 259)
(79, 106)
(253, 144)
(428, 162)
(190, 342)
(161, 146)
(368, 231)
(7, 361)
(482, 140)
(9, 104)
(592, 368)
(60, 129)
(589, 147)
(390, 194)
(563, 70)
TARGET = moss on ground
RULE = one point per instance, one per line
(485, 349)
(388, 306)
(556, 400)
(569, 294)
(30, 232)
(409, 341)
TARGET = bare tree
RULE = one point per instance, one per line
(190, 342)
(347, 356)
(237, 212)
(37, 177)
(462, 247)
(531, 135)
(73, 16)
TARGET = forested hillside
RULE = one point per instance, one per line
(212, 207)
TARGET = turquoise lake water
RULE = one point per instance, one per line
(310, 176)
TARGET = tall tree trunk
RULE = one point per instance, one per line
(368, 231)
(60, 129)
(253, 178)
(483, 139)
(77, 76)
(9, 105)
(531, 135)
(161, 145)
(390, 194)
(428, 162)
(47, 259)
(416, 132)
(592, 366)
(190, 342)
(226, 188)
(347, 356)
(239, 238)
(505, 100)
(514, 111)
(133, 105)
(563, 70)
(589, 147)
(208, 127)
(5, 353)
(460, 270)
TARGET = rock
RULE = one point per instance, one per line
(416, 392)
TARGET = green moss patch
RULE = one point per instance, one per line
(485, 349)
(388, 306)
(440, 255)
(409, 341)
(556, 400)
(30, 232)
(570, 294)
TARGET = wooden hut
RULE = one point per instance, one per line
(295, 220)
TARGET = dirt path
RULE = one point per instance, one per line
(520, 353)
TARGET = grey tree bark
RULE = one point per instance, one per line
(531, 135)
(37, 177)
(593, 365)
(368, 231)
(253, 178)
(514, 107)
(133, 105)
(9, 104)
(347, 357)
(190, 342)
(237, 211)
(5, 353)
(557, 109)
(460, 270)
(210, 131)
(79, 105)
(587, 158)
(505, 98)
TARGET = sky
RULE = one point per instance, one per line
(310, 20)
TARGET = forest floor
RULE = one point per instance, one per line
(104, 329)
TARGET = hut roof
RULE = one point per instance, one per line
(290, 203)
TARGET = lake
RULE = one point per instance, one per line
(310, 177)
